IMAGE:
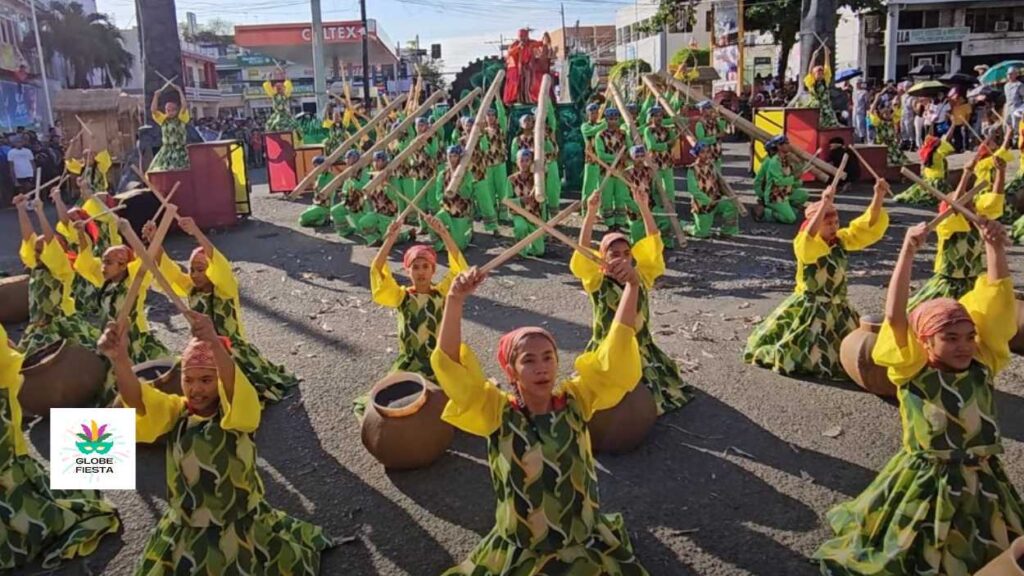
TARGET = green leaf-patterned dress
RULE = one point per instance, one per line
(547, 518)
(218, 520)
(885, 134)
(280, 119)
(934, 174)
(38, 524)
(802, 335)
(944, 504)
(172, 154)
(660, 372)
(960, 259)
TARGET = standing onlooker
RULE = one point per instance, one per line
(860, 110)
(906, 117)
(1014, 92)
(23, 166)
(921, 106)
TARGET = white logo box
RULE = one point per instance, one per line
(79, 462)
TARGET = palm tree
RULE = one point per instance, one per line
(86, 42)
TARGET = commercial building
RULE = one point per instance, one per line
(955, 34)
(598, 42)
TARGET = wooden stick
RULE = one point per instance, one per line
(156, 192)
(649, 82)
(963, 201)
(166, 81)
(871, 170)
(351, 141)
(539, 141)
(381, 144)
(727, 189)
(474, 136)
(155, 245)
(165, 202)
(84, 125)
(510, 252)
(659, 186)
(150, 263)
(540, 223)
(807, 165)
(963, 211)
(411, 204)
(841, 172)
(108, 211)
(821, 169)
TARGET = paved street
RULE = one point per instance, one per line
(737, 482)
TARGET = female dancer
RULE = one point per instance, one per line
(819, 83)
(943, 505)
(933, 169)
(456, 208)
(172, 121)
(280, 94)
(548, 518)
(886, 130)
(218, 520)
(803, 334)
(39, 524)
(660, 373)
(212, 289)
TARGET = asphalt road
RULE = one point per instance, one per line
(737, 482)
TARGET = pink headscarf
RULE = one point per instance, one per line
(198, 255)
(419, 251)
(120, 253)
(508, 343)
(611, 238)
(934, 316)
(198, 354)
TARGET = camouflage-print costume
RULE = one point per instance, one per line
(711, 130)
(454, 203)
(423, 163)
(142, 346)
(548, 518)
(380, 200)
(355, 200)
(961, 261)
(172, 154)
(660, 372)
(335, 137)
(779, 193)
(39, 524)
(707, 179)
(803, 334)
(943, 505)
(662, 159)
(478, 164)
(521, 184)
(218, 520)
(497, 151)
(639, 177)
(272, 381)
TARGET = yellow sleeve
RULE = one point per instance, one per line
(601, 383)
(828, 73)
(95, 209)
(474, 402)
(104, 161)
(288, 88)
(809, 81)
(383, 287)
(990, 205)
(992, 307)
(945, 229)
(184, 116)
(808, 249)
(56, 261)
(902, 364)
(327, 124)
(456, 265)
(11, 379)
(159, 117)
(219, 272)
(243, 412)
(587, 271)
(179, 280)
(88, 266)
(27, 252)
(134, 269)
(876, 120)
(945, 149)
(67, 232)
(74, 165)
(650, 258)
(861, 233)
(162, 412)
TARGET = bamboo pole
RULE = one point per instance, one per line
(660, 97)
(166, 201)
(731, 194)
(155, 245)
(474, 135)
(511, 251)
(381, 144)
(962, 210)
(420, 141)
(539, 140)
(150, 264)
(411, 204)
(821, 169)
(659, 186)
(963, 201)
(840, 172)
(871, 170)
(311, 177)
(540, 223)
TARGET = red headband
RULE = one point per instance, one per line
(934, 316)
(121, 253)
(508, 343)
(200, 354)
(419, 251)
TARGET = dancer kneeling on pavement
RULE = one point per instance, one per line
(943, 505)
(418, 306)
(351, 203)
(803, 334)
(381, 204)
(39, 524)
(660, 372)
(640, 179)
(319, 214)
(457, 207)
(521, 191)
(933, 170)
(548, 516)
(777, 185)
(218, 520)
(707, 199)
(212, 289)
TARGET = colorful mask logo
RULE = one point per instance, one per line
(95, 439)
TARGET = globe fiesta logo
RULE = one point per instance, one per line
(92, 448)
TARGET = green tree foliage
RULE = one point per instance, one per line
(626, 67)
(671, 14)
(692, 57)
(87, 42)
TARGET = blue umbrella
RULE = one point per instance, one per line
(848, 74)
(997, 73)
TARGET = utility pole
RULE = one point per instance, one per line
(319, 76)
(366, 54)
(42, 65)
(563, 78)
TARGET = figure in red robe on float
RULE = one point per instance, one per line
(526, 64)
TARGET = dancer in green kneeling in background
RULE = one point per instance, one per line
(548, 518)
(777, 185)
(381, 204)
(591, 169)
(707, 199)
(319, 213)
(350, 205)
(456, 207)
(521, 191)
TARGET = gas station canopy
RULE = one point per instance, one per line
(342, 43)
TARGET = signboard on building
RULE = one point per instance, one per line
(19, 105)
(726, 53)
(932, 35)
(255, 60)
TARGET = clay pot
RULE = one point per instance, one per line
(402, 427)
(164, 374)
(61, 375)
(1017, 344)
(855, 355)
(1009, 563)
(622, 428)
(14, 299)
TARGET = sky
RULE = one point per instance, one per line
(465, 28)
